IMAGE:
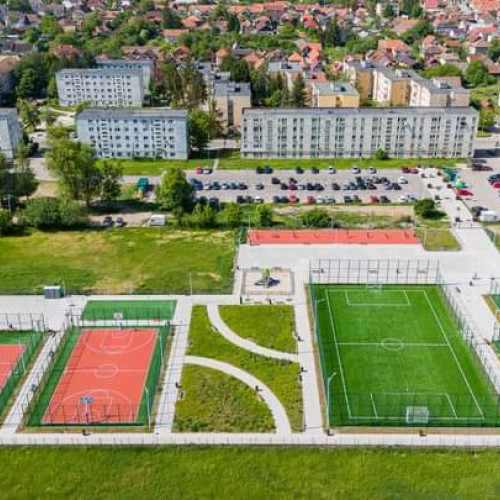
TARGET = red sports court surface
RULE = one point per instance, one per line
(104, 379)
(332, 236)
(10, 354)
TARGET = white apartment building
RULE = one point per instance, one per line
(358, 132)
(135, 133)
(144, 65)
(10, 132)
(101, 87)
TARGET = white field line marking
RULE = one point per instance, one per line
(374, 406)
(375, 304)
(341, 368)
(405, 344)
(452, 406)
(453, 353)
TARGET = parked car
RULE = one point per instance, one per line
(299, 170)
(119, 222)
(355, 170)
(107, 221)
(402, 180)
(372, 170)
(493, 178)
(331, 170)
(384, 199)
(464, 192)
(495, 185)
(314, 170)
(276, 199)
(258, 199)
(275, 181)
(347, 199)
(335, 186)
(310, 200)
(374, 199)
(199, 169)
(259, 186)
(207, 170)
(293, 199)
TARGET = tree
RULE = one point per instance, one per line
(75, 165)
(194, 90)
(477, 74)
(263, 216)
(24, 180)
(49, 117)
(5, 222)
(316, 218)
(298, 98)
(381, 155)
(29, 114)
(232, 215)
(26, 88)
(333, 36)
(494, 50)
(112, 173)
(172, 83)
(425, 208)
(200, 124)
(175, 191)
(486, 118)
(171, 20)
(446, 69)
(53, 213)
(388, 11)
(203, 216)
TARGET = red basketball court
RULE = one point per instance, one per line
(104, 379)
(10, 354)
(332, 236)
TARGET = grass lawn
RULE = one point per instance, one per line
(386, 352)
(280, 376)
(435, 240)
(250, 473)
(229, 163)
(130, 309)
(268, 326)
(216, 402)
(140, 260)
(156, 167)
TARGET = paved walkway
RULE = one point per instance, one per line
(280, 417)
(170, 392)
(228, 334)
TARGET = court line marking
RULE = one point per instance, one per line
(453, 353)
(376, 304)
(339, 359)
(405, 344)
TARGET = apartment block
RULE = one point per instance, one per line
(438, 92)
(391, 87)
(334, 95)
(101, 87)
(10, 132)
(360, 74)
(230, 98)
(144, 65)
(135, 133)
(446, 132)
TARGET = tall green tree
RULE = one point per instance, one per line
(112, 173)
(174, 191)
(75, 166)
(298, 97)
(26, 87)
(263, 215)
(477, 74)
(29, 114)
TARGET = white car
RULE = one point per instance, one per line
(372, 170)
(331, 169)
(402, 180)
(258, 199)
(355, 170)
(404, 198)
(320, 199)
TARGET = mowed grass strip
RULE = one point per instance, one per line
(216, 402)
(177, 472)
(280, 376)
(140, 260)
(383, 355)
(129, 309)
(266, 325)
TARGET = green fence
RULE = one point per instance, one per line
(31, 340)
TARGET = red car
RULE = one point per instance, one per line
(413, 170)
(374, 199)
(405, 170)
(311, 200)
(293, 199)
(496, 185)
(464, 192)
(199, 170)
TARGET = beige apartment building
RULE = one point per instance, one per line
(392, 88)
(438, 92)
(360, 74)
(334, 95)
(230, 98)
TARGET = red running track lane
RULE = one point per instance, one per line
(10, 354)
(332, 236)
(110, 366)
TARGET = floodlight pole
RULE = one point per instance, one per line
(328, 381)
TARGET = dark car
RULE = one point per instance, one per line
(299, 170)
(275, 181)
(283, 186)
(347, 199)
(240, 199)
(266, 169)
(242, 186)
(214, 202)
(314, 170)
(318, 187)
(335, 186)
(310, 186)
(259, 186)
(107, 221)
(384, 199)
(276, 199)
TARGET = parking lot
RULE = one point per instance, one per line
(387, 186)
(484, 194)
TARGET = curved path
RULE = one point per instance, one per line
(228, 334)
(280, 417)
